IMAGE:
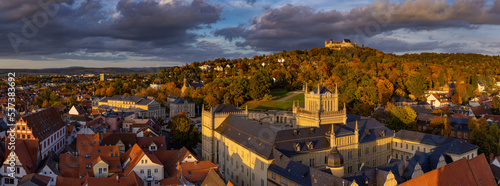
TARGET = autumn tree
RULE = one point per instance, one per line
(456, 99)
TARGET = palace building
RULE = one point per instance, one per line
(145, 106)
(322, 137)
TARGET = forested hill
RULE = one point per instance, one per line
(364, 76)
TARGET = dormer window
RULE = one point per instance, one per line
(310, 145)
(297, 147)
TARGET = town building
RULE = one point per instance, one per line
(146, 107)
(182, 105)
(46, 126)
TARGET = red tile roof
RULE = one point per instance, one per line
(482, 170)
(460, 172)
(479, 110)
(27, 152)
(195, 172)
(44, 123)
(145, 142)
(133, 155)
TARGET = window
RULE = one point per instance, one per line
(349, 154)
(326, 159)
(395, 144)
(87, 156)
(418, 148)
(311, 162)
(284, 181)
(262, 165)
(273, 175)
(401, 145)
(349, 169)
(406, 146)
(261, 182)
(466, 135)
(367, 150)
(388, 146)
(374, 149)
(424, 149)
(9, 181)
(396, 156)
(146, 161)
(142, 171)
(156, 170)
(88, 166)
(99, 150)
(242, 169)
(412, 147)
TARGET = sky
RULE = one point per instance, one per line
(156, 33)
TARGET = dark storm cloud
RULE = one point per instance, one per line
(136, 27)
(292, 27)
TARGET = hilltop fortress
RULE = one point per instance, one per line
(346, 43)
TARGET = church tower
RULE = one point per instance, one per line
(321, 107)
(185, 86)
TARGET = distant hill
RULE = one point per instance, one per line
(82, 70)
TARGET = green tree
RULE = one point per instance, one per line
(496, 105)
(485, 136)
(184, 133)
(441, 78)
(260, 84)
(416, 84)
(401, 118)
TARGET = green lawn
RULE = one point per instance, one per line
(274, 105)
(279, 93)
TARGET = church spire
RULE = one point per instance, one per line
(336, 90)
(356, 128)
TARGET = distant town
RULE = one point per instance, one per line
(339, 115)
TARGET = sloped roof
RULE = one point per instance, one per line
(460, 172)
(445, 144)
(254, 136)
(145, 142)
(51, 161)
(181, 101)
(44, 123)
(135, 154)
(302, 174)
(322, 89)
(213, 178)
(479, 110)
(34, 179)
(128, 139)
(482, 171)
(225, 108)
(27, 151)
(196, 171)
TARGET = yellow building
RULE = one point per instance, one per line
(323, 137)
(145, 106)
